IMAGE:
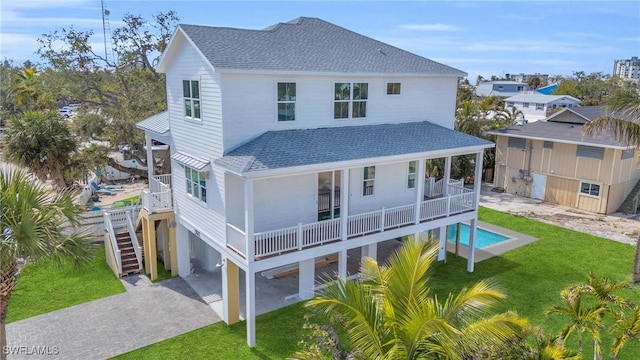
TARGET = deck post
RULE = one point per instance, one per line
(173, 246)
(344, 204)
(299, 236)
(148, 144)
(419, 185)
(370, 250)
(248, 219)
(306, 280)
(447, 176)
(152, 241)
(442, 240)
(182, 250)
(477, 180)
(472, 244)
(145, 243)
(166, 252)
(342, 264)
(382, 219)
(250, 312)
(230, 292)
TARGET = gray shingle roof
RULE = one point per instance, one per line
(158, 123)
(559, 132)
(291, 148)
(307, 44)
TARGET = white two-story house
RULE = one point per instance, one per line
(300, 141)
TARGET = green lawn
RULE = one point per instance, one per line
(532, 275)
(43, 287)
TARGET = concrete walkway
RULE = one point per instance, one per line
(145, 314)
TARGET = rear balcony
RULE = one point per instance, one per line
(157, 198)
(275, 242)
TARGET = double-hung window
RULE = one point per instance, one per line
(590, 189)
(411, 175)
(191, 94)
(286, 101)
(393, 88)
(368, 180)
(196, 183)
(350, 100)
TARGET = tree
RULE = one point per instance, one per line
(42, 142)
(34, 224)
(623, 122)
(582, 318)
(534, 81)
(627, 328)
(391, 312)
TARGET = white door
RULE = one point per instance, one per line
(539, 182)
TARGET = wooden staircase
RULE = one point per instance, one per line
(631, 203)
(127, 253)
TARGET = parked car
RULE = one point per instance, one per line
(74, 106)
(65, 112)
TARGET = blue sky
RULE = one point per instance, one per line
(480, 37)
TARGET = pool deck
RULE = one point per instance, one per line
(515, 241)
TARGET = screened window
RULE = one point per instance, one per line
(628, 154)
(369, 179)
(589, 189)
(539, 106)
(286, 101)
(191, 94)
(411, 175)
(517, 143)
(350, 100)
(393, 88)
(548, 144)
(591, 152)
(525, 105)
(196, 183)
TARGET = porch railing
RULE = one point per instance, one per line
(157, 201)
(156, 182)
(111, 234)
(317, 233)
(236, 239)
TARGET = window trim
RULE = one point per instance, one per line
(278, 101)
(393, 83)
(202, 175)
(366, 179)
(414, 173)
(191, 99)
(591, 184)
(350, 102)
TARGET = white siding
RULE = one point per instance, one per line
(390, 189)
(249, 103)
(285, 201)
(203, 140)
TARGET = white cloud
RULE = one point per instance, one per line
(19, 47)
(15, 20)
(430, 27)
(537, 46)
(46, 4)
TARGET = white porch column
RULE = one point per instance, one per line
(442, 244)
(472, 244)
(447, 176)
(342, 264)
(250, 311)
(147, 141)
(344, 203)
(477, 182)
(419, 184)
(248, 219)
(370, 250)
(306, 279)
(182, 250)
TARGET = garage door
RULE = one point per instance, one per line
(561, 191)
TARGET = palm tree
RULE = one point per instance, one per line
(507, 117)
(24, 86)
(34, 224)
(623, 122)
(42, 142)
(627, 329)
(391, 312)
(582, 318)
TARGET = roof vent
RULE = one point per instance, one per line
(381, 52)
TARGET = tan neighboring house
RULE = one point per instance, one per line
(553, 161)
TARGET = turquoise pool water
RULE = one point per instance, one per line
(484, 238)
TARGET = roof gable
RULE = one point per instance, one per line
(539, 98)
(304, 45)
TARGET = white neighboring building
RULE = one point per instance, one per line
(536, 107)
(627, 69)
(302, 141)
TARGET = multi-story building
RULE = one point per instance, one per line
(297, 142)
(627, 69)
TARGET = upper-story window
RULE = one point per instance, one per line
(196, 183)
(393, 88)
(350, 100)
(368, 180)
(191, 94)
(411, 175)
(525, 105)
(286, 101)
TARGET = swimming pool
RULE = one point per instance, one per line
(484, 238)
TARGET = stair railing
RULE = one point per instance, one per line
(114, 242)
(134, 238)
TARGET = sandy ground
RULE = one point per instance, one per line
(617, 226)
(128, 190)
